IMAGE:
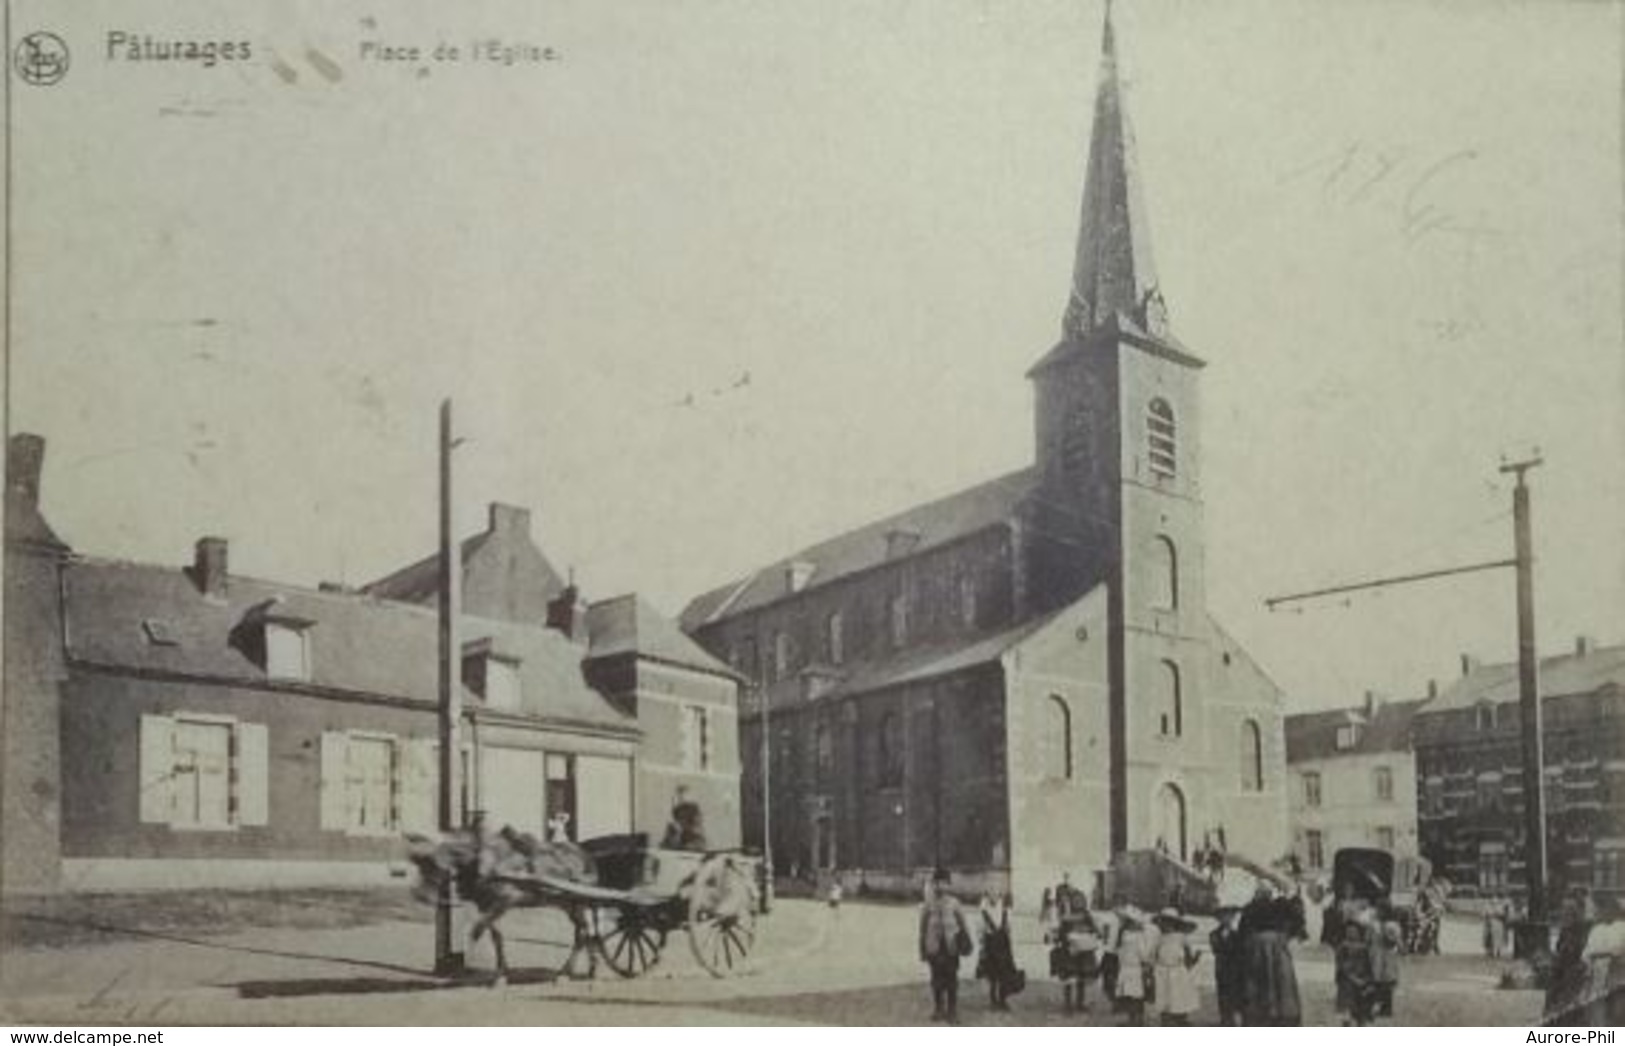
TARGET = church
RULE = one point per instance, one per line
(1021, 679)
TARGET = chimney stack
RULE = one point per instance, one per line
(1584, 645)
(1433, 689)
(1468, 663)
(509, 519)
(567, 614)
(25, 459)
(209, 567)
(1373, 701)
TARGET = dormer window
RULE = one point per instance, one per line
(492, 675)
(287, 650)
(502, 684)
(1160, 438)
(1348, 735)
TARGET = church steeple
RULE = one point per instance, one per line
(1114, 284)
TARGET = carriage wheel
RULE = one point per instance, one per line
(721, 918)
(629, 940)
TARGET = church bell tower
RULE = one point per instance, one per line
(1118, 498)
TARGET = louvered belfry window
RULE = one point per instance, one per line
(1160, 438)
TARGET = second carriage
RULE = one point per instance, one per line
(643, 896)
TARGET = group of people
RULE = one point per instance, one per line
(1145, 963)
(1366, 939)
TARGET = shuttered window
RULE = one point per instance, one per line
(376, 784)
(203, 772)
(1161, 435)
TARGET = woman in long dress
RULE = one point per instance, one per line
(1133, 958)
(1268, 925)
(1175, 983)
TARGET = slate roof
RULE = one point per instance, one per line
(938, 659)
(1562, 676)
(936, 523)
(150, 619)
(629, 625)
(419, 582)
(1313, 735)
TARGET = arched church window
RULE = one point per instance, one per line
(1164, 573)
(1252, 757)
(834, 638)
(891, 750)
(1058, 739)
(1170, 703)
(1170, 825)
(1161, 438)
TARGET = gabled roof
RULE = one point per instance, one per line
(629, 625)
(419, 582)
(154, 620)
(1313, 735)
(1562, 676)
(931, 525)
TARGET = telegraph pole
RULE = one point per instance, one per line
(1530, 732)
(1534, 762)
(448, 954)
(767, 799)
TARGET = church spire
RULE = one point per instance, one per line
(1113, 280)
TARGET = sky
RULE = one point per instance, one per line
(727, 278)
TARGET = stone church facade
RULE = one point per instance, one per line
(1022, 678)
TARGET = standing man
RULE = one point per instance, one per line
(944, 938)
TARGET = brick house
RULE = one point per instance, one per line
(1469, 768)
(1021, 678)
(1353, 780)
(194, 727)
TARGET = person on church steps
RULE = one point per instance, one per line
(944, 938)
(1269, 924)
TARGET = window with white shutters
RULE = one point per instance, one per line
(203, 772)
(374, 784)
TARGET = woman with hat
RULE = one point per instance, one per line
(1175, 984)
(944, 937)
(1268, 925)
(1134, 954)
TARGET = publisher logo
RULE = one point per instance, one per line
(41, 59)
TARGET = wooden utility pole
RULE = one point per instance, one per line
(448, 954)
(1530, 735)
(767, 798)
(1534, 762)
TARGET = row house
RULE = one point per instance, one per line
(190, 726)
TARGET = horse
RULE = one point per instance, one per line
(490, 872)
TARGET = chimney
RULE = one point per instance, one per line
(25, 458)
(209, 567)
(1468, 663)
(509, 519)
(1373, 701)
(797, 574)
(1584, 645)
(567, 613)
(900, 541)
(1433, 689)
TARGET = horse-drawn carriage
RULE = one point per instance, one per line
(620, 899)
(1401, 887)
